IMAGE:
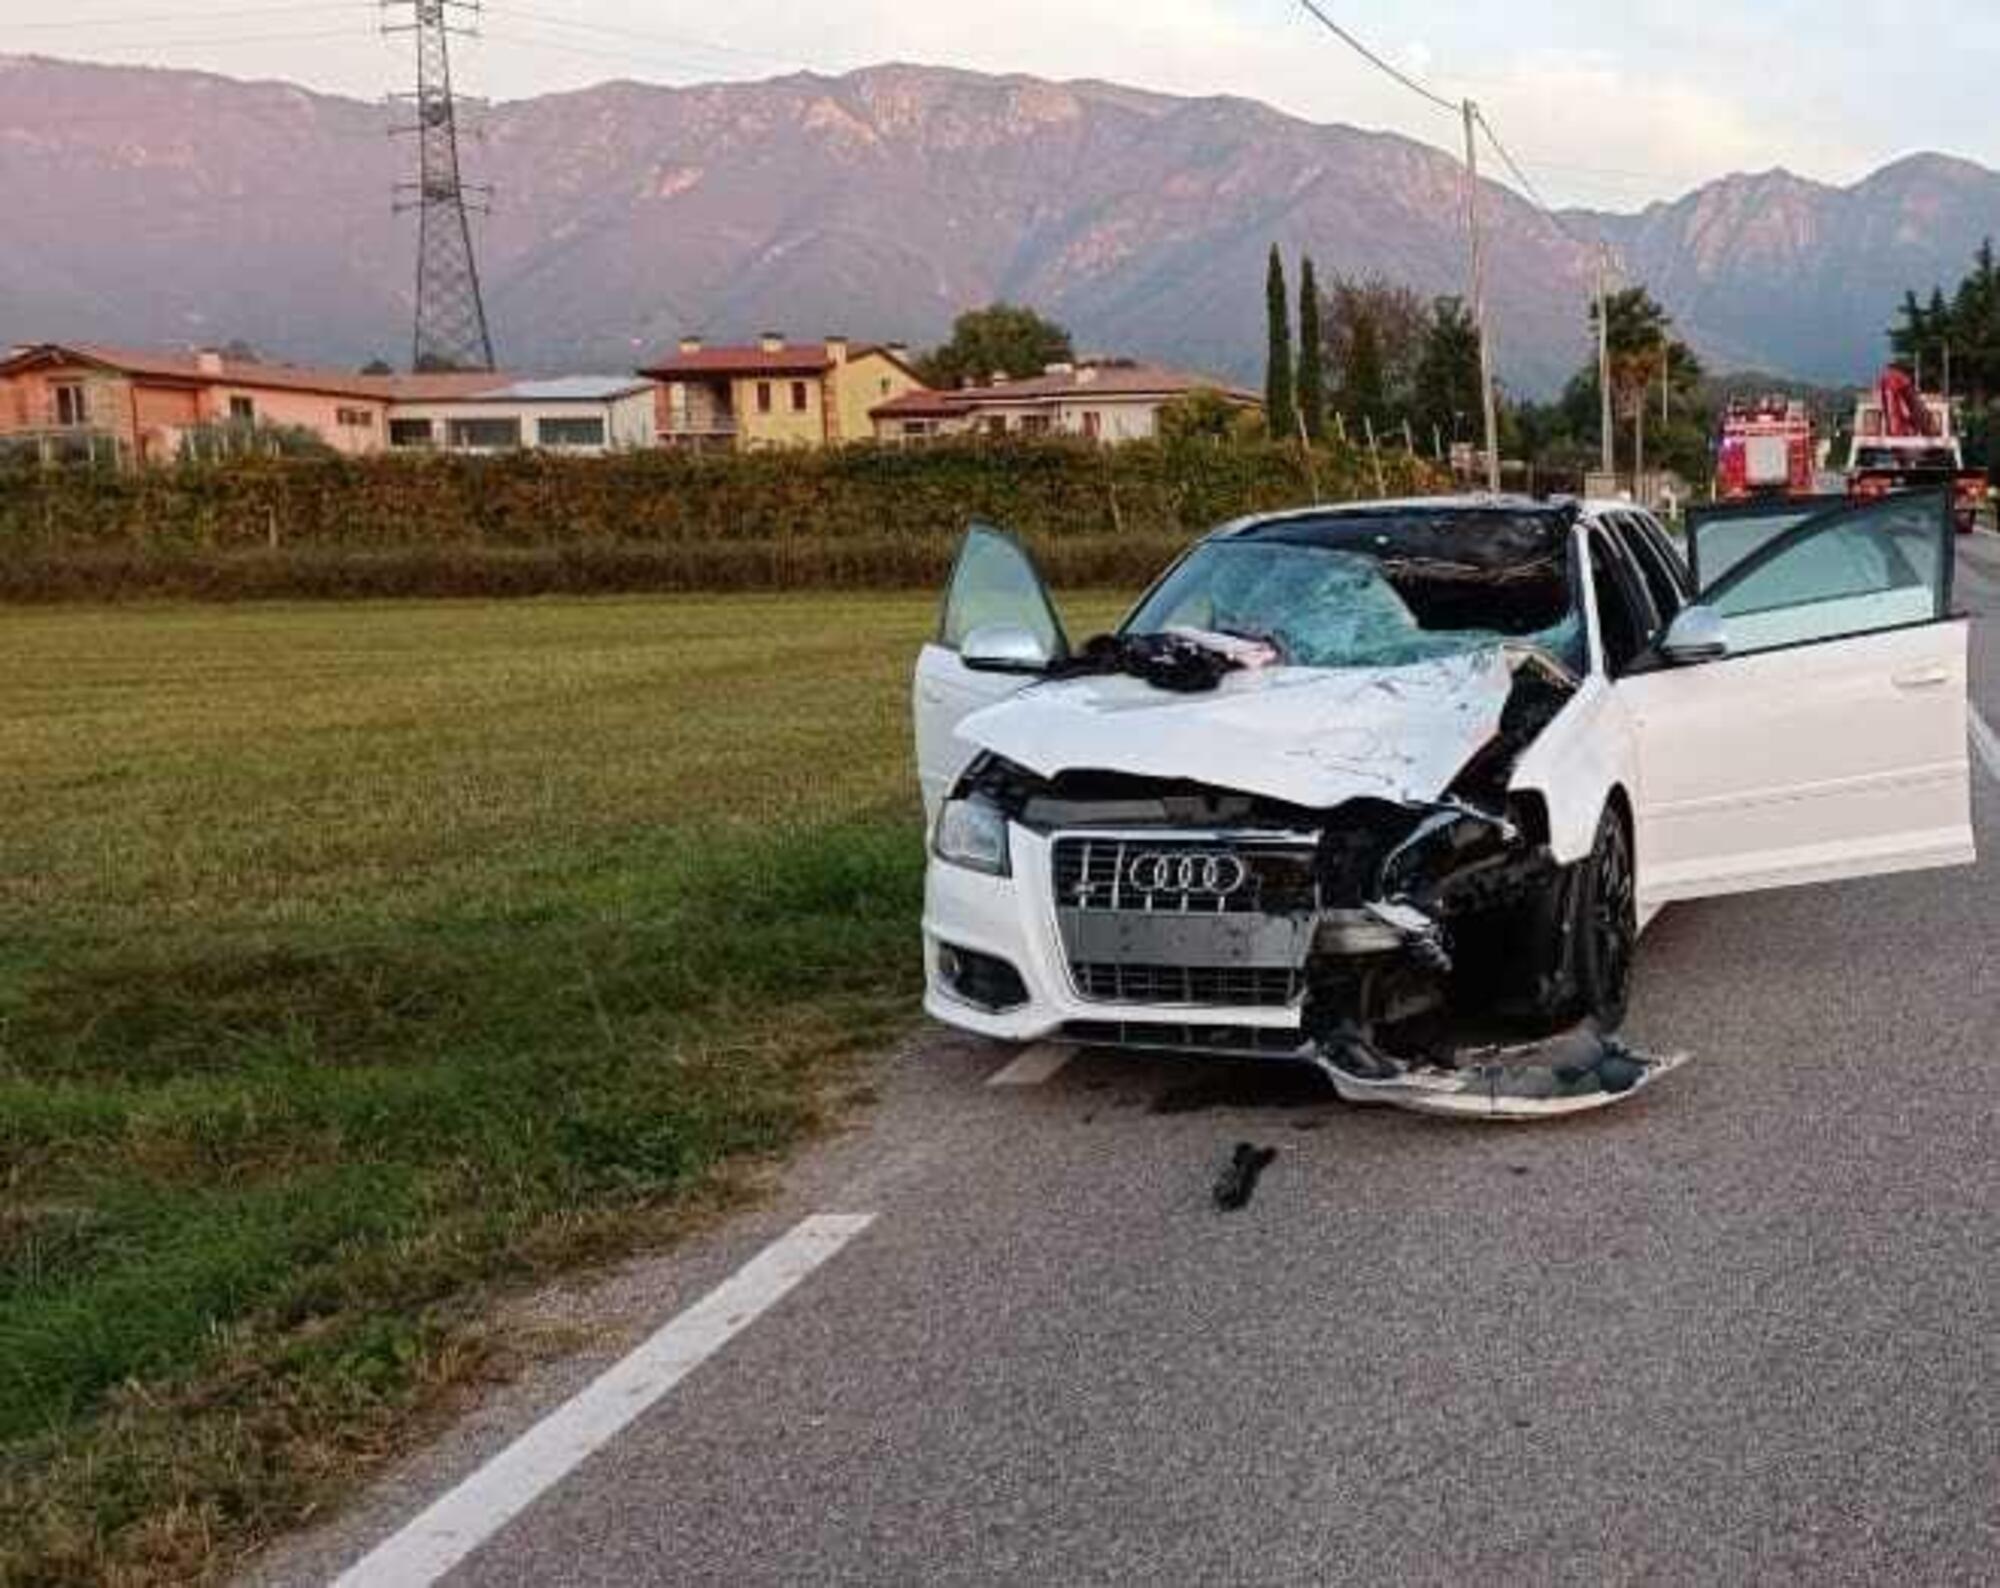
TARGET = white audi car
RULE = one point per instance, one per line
(1390, 787)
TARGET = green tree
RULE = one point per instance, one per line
(1312, 354)
(1203, 414)
(1375, 336)
(1644, 353)
(1002, 338)
(1279, 414)
(1445, 396)
(1974, 329)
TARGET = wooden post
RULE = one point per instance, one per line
(1375, 455)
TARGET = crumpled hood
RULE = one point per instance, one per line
(1305, 735)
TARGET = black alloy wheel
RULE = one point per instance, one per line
(1607, 925)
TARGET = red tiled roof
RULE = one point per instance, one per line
(1136, 381)
(1102, 380)
(793, 358)
(919, 404)
(186, 368)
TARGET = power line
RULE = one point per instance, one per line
(537, 41)
(1528, 187)
(321, 7)
(673, 40)
(122, 45)
(1377, 61)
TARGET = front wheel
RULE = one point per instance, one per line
(1605, 924)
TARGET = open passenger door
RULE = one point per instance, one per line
(998, 633)
(1828, 738)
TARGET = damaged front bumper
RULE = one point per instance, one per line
(1574, 1072)
(1053, 951)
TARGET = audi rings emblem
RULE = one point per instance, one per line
(1196, 875)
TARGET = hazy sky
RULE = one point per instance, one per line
(1607, 104)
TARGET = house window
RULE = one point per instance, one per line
(70, 406)
(411, 433)
(242, 410)
(763, 396)
(354, 418)
(1093, 423)
(483, 435)
(798, 396)
(996, 424)
(1034, 424)
(573, 432)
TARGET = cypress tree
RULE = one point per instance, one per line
(1278, 412)
(1312, 374)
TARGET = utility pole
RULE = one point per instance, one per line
(1479, 296)
(1639, 449)
(1666, 379)
(1609, 455)
(451, 328)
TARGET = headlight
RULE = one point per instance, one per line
(972, 833)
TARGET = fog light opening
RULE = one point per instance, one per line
(983, 980)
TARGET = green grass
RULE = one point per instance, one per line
(357, 961)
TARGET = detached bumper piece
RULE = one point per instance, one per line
(1573, 1072)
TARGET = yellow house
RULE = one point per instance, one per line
(776, 393)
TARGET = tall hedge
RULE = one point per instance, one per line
(530, 522)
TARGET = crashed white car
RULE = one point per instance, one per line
(1390, 787)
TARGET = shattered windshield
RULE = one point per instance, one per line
(1368, 591)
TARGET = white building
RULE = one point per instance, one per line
(1112, 399)
(575, 413)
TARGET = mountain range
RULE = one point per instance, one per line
(175, 207)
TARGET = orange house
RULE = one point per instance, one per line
(78, 399)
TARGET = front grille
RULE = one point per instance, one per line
(1240, 986)
(1120, 874)
(1219, 922)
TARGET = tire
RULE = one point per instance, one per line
(1605, 925)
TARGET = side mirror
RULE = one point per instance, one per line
(1004, 648)
(1696, 635)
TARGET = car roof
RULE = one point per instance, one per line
(1410, 507)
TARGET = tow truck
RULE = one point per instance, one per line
(1766, 450)
(1906, 439)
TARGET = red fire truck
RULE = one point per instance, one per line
(1766, 449)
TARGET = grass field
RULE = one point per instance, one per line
(358, 960)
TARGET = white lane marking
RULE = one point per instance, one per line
(456, 1525)
(1985, 741)
(1034, 1065)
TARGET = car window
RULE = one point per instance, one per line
(995, 582)
(1662, 595)
(1664, 572)
(1623, 625)
(1883, 564)
(1721, 536)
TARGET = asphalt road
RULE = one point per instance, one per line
(1745, 1326)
